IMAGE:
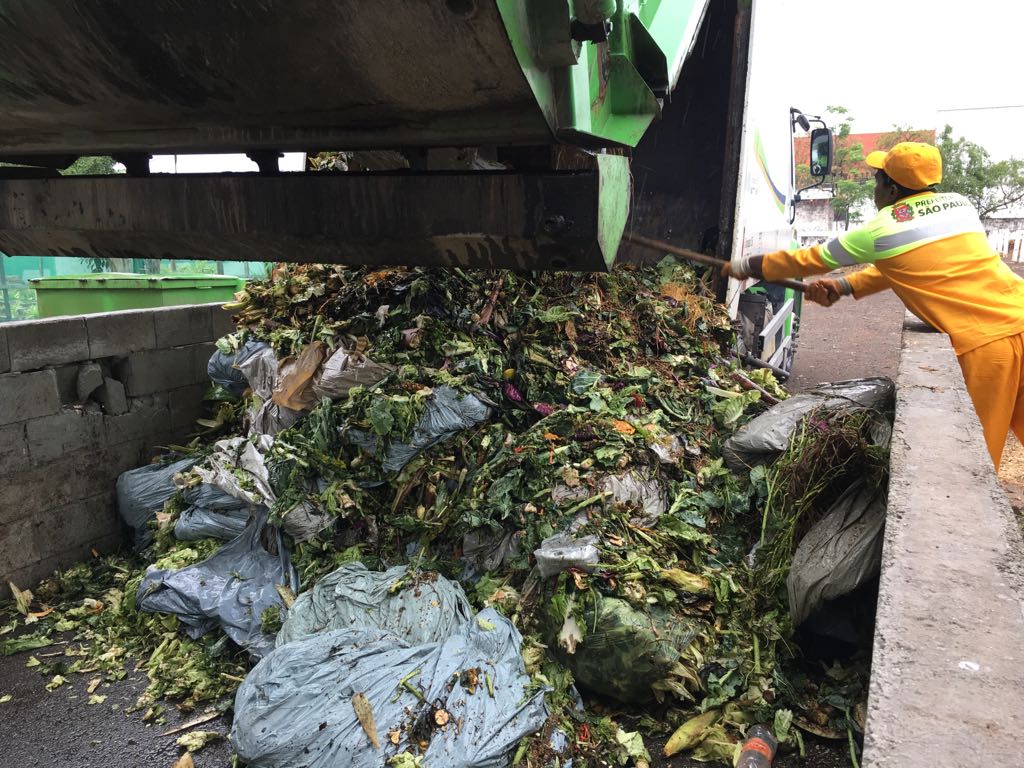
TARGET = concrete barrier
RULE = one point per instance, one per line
(947, 680)
(81, 400)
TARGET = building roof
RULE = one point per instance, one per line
(869, 143)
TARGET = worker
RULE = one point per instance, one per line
(930, 248)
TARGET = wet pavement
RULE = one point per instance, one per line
(59, 729)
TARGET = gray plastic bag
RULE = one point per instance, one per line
(224, 369)
(142, 492)
(429, 608)
(345, 369)
(212, 513)
(647, 493)
(447, 413)
(295, 708)
(232, 588)
(261, 369)
(840, 553)
(764, 438)
(238, 467)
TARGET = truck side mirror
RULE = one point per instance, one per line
(821, 152)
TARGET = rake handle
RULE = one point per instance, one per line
(700, 258)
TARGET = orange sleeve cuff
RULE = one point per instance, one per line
(867, 281)
(799, 263)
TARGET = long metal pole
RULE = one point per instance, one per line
(700, 258)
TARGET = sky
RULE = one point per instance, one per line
(917, 65)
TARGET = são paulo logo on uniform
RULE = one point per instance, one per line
(902, 212)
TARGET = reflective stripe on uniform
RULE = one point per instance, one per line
(948, 225)
(839, 254)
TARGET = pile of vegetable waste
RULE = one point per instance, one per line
(551, 444)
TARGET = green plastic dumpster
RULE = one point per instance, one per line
(113, 291)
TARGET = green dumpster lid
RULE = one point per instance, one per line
(106, 280)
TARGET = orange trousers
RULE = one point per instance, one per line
(994, 374)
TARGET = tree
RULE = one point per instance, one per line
(90, 166)
(850, 190)
(968, 169)
(901, 133)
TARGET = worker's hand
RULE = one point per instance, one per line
(824, 291)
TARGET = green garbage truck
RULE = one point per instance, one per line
(520, 134)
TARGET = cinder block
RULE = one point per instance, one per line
(178, 326)
(146, 416)
(117, 334)
(158, 370)
(77, 524)
(17, 550)
(186, 406)
(73, 429)
(13, 450)
(90, 378)
(38, 490)
(67, 383)
(25, 396)
(222, 323)
(34, 344)
(112, 397)
(201, 358)
(5, 358)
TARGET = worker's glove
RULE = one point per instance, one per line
(827, 291)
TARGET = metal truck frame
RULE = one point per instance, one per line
(523, 134)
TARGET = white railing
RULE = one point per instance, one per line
(1007, 244)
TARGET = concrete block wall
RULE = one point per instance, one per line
(82, 399)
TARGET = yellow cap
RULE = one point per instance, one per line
(911, 164)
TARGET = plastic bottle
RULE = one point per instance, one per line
(759, 748)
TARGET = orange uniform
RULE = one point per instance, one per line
(930, 248)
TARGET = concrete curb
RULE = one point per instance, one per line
(948, 665)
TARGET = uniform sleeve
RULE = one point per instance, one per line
(854, 247)
(799, 263)
(867, 281)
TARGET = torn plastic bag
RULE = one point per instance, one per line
(224, 369)
(304, 521)
(346, 369)
(211, 513)
(260, 370)
(486, 551)
(646, 493)
(267, 417)
(295, 708)
(142, 492)
(560, 552)
(231, 588)
(447, 413)
(238, 467)
(840, 553)
(294, 387)
(616, 650)
(428, 608)
(764, 438)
